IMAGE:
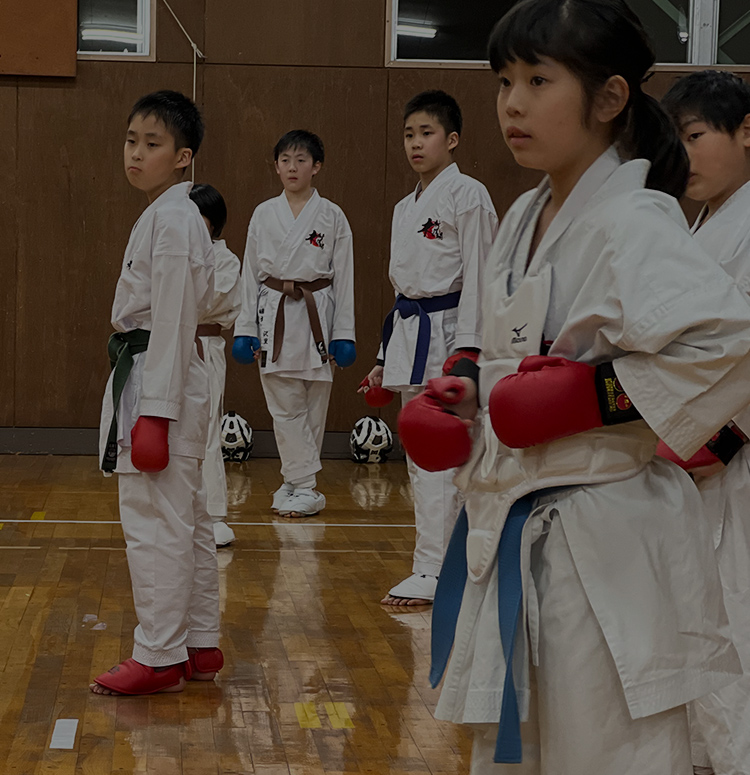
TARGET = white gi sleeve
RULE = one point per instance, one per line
(343, 281)
(477, 229)
(247, 321)
(174, 318)
(685, 328)
(227, 297)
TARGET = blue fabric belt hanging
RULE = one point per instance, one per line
(447, 604)
(408, 308)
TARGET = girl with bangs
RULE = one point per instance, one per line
(606, 327)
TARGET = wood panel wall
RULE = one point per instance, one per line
(38, 37)
(272, 65)
(8, 238)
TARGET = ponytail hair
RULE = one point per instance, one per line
(651, 134)
(595, 40)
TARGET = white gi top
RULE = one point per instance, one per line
(165, 285)
(726, 239)
(439, 243)
(226, 301)
(317, 244)
(626, 283)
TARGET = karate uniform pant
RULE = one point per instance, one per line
(721, 721)
(298, 408)
(579, 723)
(437, 502)
(214, 475)
(172, 560)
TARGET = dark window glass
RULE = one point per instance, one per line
(734, 32)
(113, 26)
(459, 29)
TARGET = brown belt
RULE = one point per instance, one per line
(298, 290)
(209, 329)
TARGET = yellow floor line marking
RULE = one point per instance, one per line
(38, 515)
(307, 715)
(339, 715)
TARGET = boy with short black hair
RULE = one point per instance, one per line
(155, 412)
(297, 314)
(441, 236)
(712, 112)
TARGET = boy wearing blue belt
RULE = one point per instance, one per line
(441, 235)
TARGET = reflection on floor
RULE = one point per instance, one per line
(319, 678)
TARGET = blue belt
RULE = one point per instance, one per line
(447, 604)
(408, 308)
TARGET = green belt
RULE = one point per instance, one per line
(121, 348)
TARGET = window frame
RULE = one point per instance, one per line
(703, 45)
(119, 56)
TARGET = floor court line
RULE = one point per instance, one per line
(296, 523)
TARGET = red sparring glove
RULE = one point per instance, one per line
(717, 452)
(375, 395)
(472, 355)
(435, 438)
(551, 398)
(150, 440)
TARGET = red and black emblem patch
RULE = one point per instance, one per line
(316, 240)
(431, 230)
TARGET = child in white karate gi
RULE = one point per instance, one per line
(155, 414)
(441, 236)
(712, 112)
(297, 315)
(221, 314)
(580, 594)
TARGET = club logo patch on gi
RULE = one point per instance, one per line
(316, 240)
(518, 338)
(431, 229)
(129, 264)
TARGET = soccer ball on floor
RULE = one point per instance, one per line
(371, 440)
(236, 438)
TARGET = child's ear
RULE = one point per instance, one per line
(453, 140)
(184, 157)
(611, 99)
(745, 129)
(317, 167)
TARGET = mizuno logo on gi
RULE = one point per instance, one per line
(518, 339)
(316, 240)
(431, 230)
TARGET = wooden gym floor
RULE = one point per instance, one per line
(319, 677)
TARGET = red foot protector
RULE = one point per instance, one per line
(435, 438)
(150, 440)
(376, 396)
(131, 677)
(456, 357)
(206, 661)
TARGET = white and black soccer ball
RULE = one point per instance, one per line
(371, 440)
(236, 438)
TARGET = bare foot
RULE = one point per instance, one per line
(402, 601)
(99, 689)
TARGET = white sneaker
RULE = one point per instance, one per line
(303, 503)
(281, 496)
(223, 534)
(416, 587)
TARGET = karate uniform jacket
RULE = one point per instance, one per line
(439, 244)
(165, 286)
(315, 245)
